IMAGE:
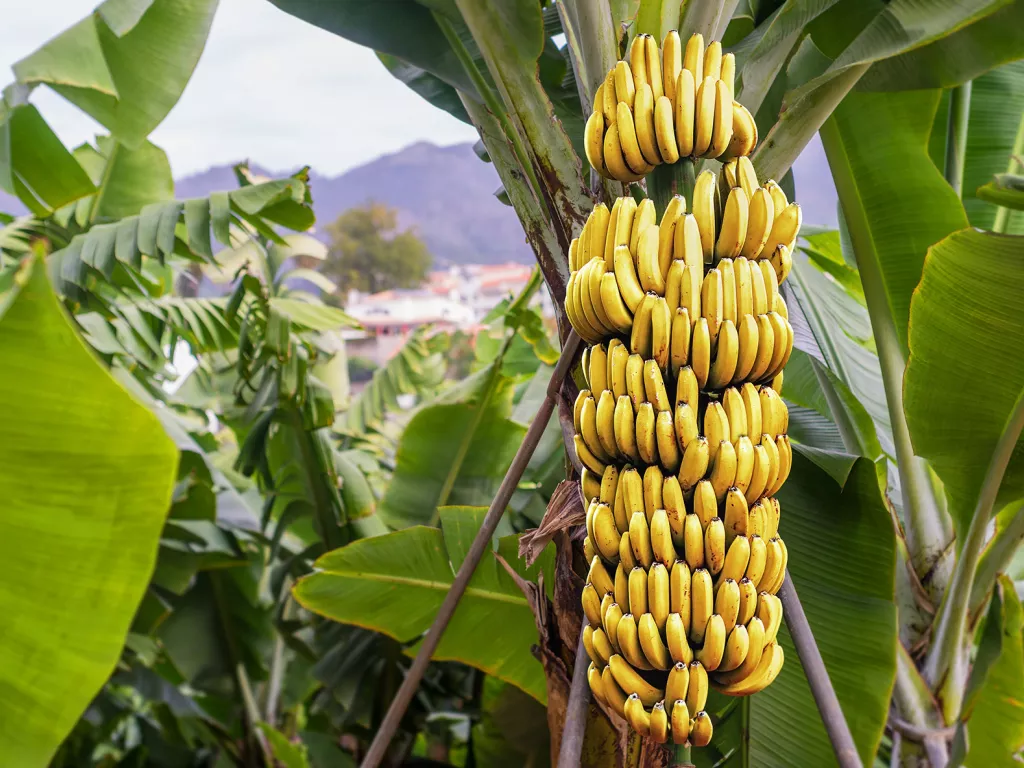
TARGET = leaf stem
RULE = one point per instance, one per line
(1003, 214)
(946, 659)
(996, 558)
(700, 16)
(956, 135)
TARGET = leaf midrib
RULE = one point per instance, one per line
(440, 586)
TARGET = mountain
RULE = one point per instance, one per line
(447, 195)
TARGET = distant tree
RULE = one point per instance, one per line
(368, 253)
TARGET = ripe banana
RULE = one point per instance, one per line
(710, 654)
(726, 358)
(757, 522)
(744, 463)
(598, 576)
(736, 648)
(631, 682)
(594, 679)
(663, 548)
(721, 134)
(685, 421)
(592, 605)
(604, 422)
(617, 357)
(671, 62)
(701, 603)
(687, 388)
(756, 647)
(605, 534)
(614, 161)
(734, 225)
(628, 141)
(643, 115)
(713, 60)
(711, 302)
(659, 726)
(679, 591)
(704, 212)
(588, 645)
(697, 692)
(728, 76)
(785, 461)
(725, 266)
(705, 506)
(654, 386)
(758, 475)
(693, 56)
(664, 130)
(625, 429)
(678, 682)
(613, 694)
(680, 722)
(760, 222)
(744, 132)
(685, 104)
(700, 352)
(640, 543)
(593, 143)
(675, 507)
(661, 329)
(588, 459)
(668, 449)
(785, 229)
(602, 647)
(736, 559)
(694, 463)
(714, 546)
(727, 603)
(653, 647)
(716, 427)
(675, 635)
(767, 669)
(658, 593)
(590, 486)
(628, 636)
(646, 441)
(638, 717)
(765, 348)
(646, 215)
(588, 430)
(679, 345)
(736, 512)
(653, 62)
(757, 561)
(635, 387)
(689, 247)
(748, 601)
(647, 263)
(640, 339)
(693, 542)
(618, 312)
(654, 481)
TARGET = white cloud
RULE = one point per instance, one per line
(269, 88)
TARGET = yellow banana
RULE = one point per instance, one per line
(671, 62)
(744, 464)
(758, 476)
(614, 306)
(599, 223)
(648, 266)
(735, 412)
(744, 287)
(760, 220)
(640, 339)
(782, 262)
(685, 105)
(646, 440)
(711, 302)
(716, 427)
(721, 134)
(758, 560)
(586, 457)
(654, 481)
(771, 412)
(774, 460)
(704, 211)
(736, 559)
(694, 463)
(653, 647)
(756, 646)
(687, 388)
(752, 411)
(710, 654)
(617, 357)
(588, 430)
(594, 680)
(771, 527)
(685, 421)
(589, 289)
(704, 117)
(714, 546)
(593, 143)
(765, 348)
(588, 645)
(678, 682)
(736, 511)
(664, 130)
(744, 132)
(621, 591)
(757, 520)
(626, 279)
(746, 176)
(758, 290)
(658, 591)
(605, 422)
(734, 225)
(602, 647)
(776, 383)
(725, 266)
(659, 727)
(608, 97)
(693, 56)
(661, 330)
(653, 65)
(773, 567)
(736, 648)
(701, 603)
(635, 387)
(697, 692)
(598, 576)
(674, 211)
(590, 486)
(785, 462)
(679, 345)
(784, 230)
(748, 339)
(675, 507)
(705, 506)
(614, 161)
(776, 585)
(664, 553)
(596, 368)
(726, 357)
(646, 216)
(713, 60)
(630, 681)
(625, 429)
(679, 722)
(629, 645)
(693, 542)
(620, 227)
(675, 635)
(688, 246)
(592, 605)
(638, 61)
(643, 115)
(728, 75)
(769, 611)
(783, 337)
(625, 88)
(639, 719)
(748, 601)
(700, 352)
(606, 535)
(668, 449)
(768, 668)
(771, 282)
(633, 493)
(679, 591)
(640, 543)
(613, 694)
(727, 603)
(673, 279)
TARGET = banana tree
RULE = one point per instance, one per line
(903, 507)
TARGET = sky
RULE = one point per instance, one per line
(269, 87)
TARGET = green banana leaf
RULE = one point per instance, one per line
(966, 365)
(86, 474)
(126, 180)
(513, 729)
(395, 584)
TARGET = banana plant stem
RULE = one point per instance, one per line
(680, 757)
(1003, 214)
(576, 711)
(996, 558)
(480, 545)
(817, 677)
(956, 135)
(668, 180)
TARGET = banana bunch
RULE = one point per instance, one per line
(662, 105)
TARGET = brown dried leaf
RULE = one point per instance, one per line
(565, 509)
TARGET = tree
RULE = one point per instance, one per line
(368, 253)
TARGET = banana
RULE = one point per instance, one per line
(635, 387)
(608, 97)
(771, 283)
(588, 645)
(671, 62)
(674, 212)
(574, 259)
(613, 694)
(646, 439)
(716, 427)
(664, 130)
(675, 507)
(744, 132)
(654, 386)
(661, 331)
(654, 72)
(721, 134)
(586, 457)
(653, 482)
(735, 413)
(783, 336)
(693, 543)
(778, 196)
(593, 143)
(687, 388)
(632, 491)
(615, 308)
(744, 464)
(685, 105)
(704, 211)
(659, 591)
(734, 225)
(769, 611)
(598, 576)
(628, 636)
(776, 585)
(675, 635)
(758, 290)
(744, 287)
(638, 717)
(604, 420)
(726, 357)
(728, 75)
(705, 506)
(679, 591)
(710, 654)
(694, 463)
(685, 422)
(693, 56)
(679, 346)
(680, 722)
(617, 357)
(767, 669)
(625, 88)
(771, 412)
(625, 429)
(588, 430)
(752, 411)
(772, 567)
(736, 511)
(629, 141)
(678, 682)
(590, 486)
(723, 470)
(583, 254)
(673, 278)
(755, 645)
(774, 510)
(646, 216)
(757, 561)
(640, 339)
(765, 348)
(647, 261)
(700, 352)
(782, 261)
(606, 535)
(758, 476)
(585, 286)
(748, 339)
(664, 552)
(712, 302)
(620, 227)
(736, 648)
(592, 605)
(643, 115)
(713, 60)
(573, 312)
(785, 462)
(701, 603)
(746, 176)
(614, 160)
(748, 601)
(596, 368)
(659, 727)
(631, 682)
(697, 691)
(653, 647)
(784, 230)
(760, 221)
(776, 383)
(757, 521)
(621, 586)
(689, 247)
(638, 61)
(736, 559)
(725, 266)
(594, 679)
(640, 543)
(600, 223)
(774, 461)
(602, 647)
(704, 117)
(610, 623)
(727, 603)
(714, 546)
(668, 449)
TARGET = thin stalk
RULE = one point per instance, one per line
(277, 663)
(108, 169)
(480, 545)
(915, 703)
(576, 711)
(956, 135)
(491, 101)
(946, 657)
(995, 559)
(1003, 214)
(817, 677)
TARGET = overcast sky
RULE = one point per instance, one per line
(269, 87)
